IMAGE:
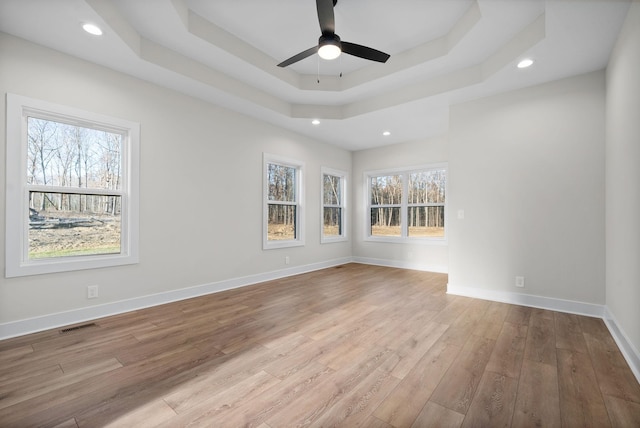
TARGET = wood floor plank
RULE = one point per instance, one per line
(508, 352)
(493, 402)
(593, 326)
(414, 349)
(255, 331)
(460, 330)
(116, 346)
(417, 317)
(452, 310)
(581, 403)
(71, 399)
(357, 405)
(436, 416)
(215, 407)
(373, 422)
(290, 356)
(540, 345)
(519, 315)
(13, 354)
(70, 423)
(569, 333)
(221, 374)
(614, 376)
(139, 385)
(457, 387)
(538, 400)
(310, 407)
(354, 345)
(80, 349)
(26, 340)
(355, 316)
(27, 390)
(338, 354)
(148, 415)
(277, 398)
(408, 399)
(490, 324)
(25, 374)
(623, 413)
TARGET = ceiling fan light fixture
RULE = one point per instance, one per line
(329, 47)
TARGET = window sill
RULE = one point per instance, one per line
(331, 239)
(415, 241)
(272, 245)
(57, 265)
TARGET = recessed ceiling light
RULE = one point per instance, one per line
(386, 133)
(527, 62)
(92, 29)
(315, 122)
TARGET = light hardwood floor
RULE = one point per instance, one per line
(349, 346)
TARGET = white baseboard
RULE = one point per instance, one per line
(630, 353)
(400, 264)
(560, 305)
(46, 322)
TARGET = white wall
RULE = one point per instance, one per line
(191, 232)
(432, 257)
(623, 181)
(527, 168)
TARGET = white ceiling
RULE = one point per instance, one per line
(226, 51)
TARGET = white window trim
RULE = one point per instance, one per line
(300, 194)
(404, 238)
(16, 243)
(343, 189)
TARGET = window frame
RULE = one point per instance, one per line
(17, 262)
(343, 205)
(299, 202)
(404, 205)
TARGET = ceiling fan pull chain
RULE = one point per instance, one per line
(318, 72)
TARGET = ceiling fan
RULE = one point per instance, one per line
(329, 45)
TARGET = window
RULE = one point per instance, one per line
(333, 213)
(72, 189)
(283, 209)
(407, 205)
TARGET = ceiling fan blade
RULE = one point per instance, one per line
(364, 52)
(298, 57)
(325, 16)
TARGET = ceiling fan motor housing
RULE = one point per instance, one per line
(329, 39)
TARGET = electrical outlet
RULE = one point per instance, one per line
(92, 292)
(286, 260)
(520, 281)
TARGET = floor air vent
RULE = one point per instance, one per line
(78, 327)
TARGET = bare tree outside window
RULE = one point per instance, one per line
(386, 199)
(332, 205)
(408, 204)
(74, 181)
(281, 202)
(426, 203)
